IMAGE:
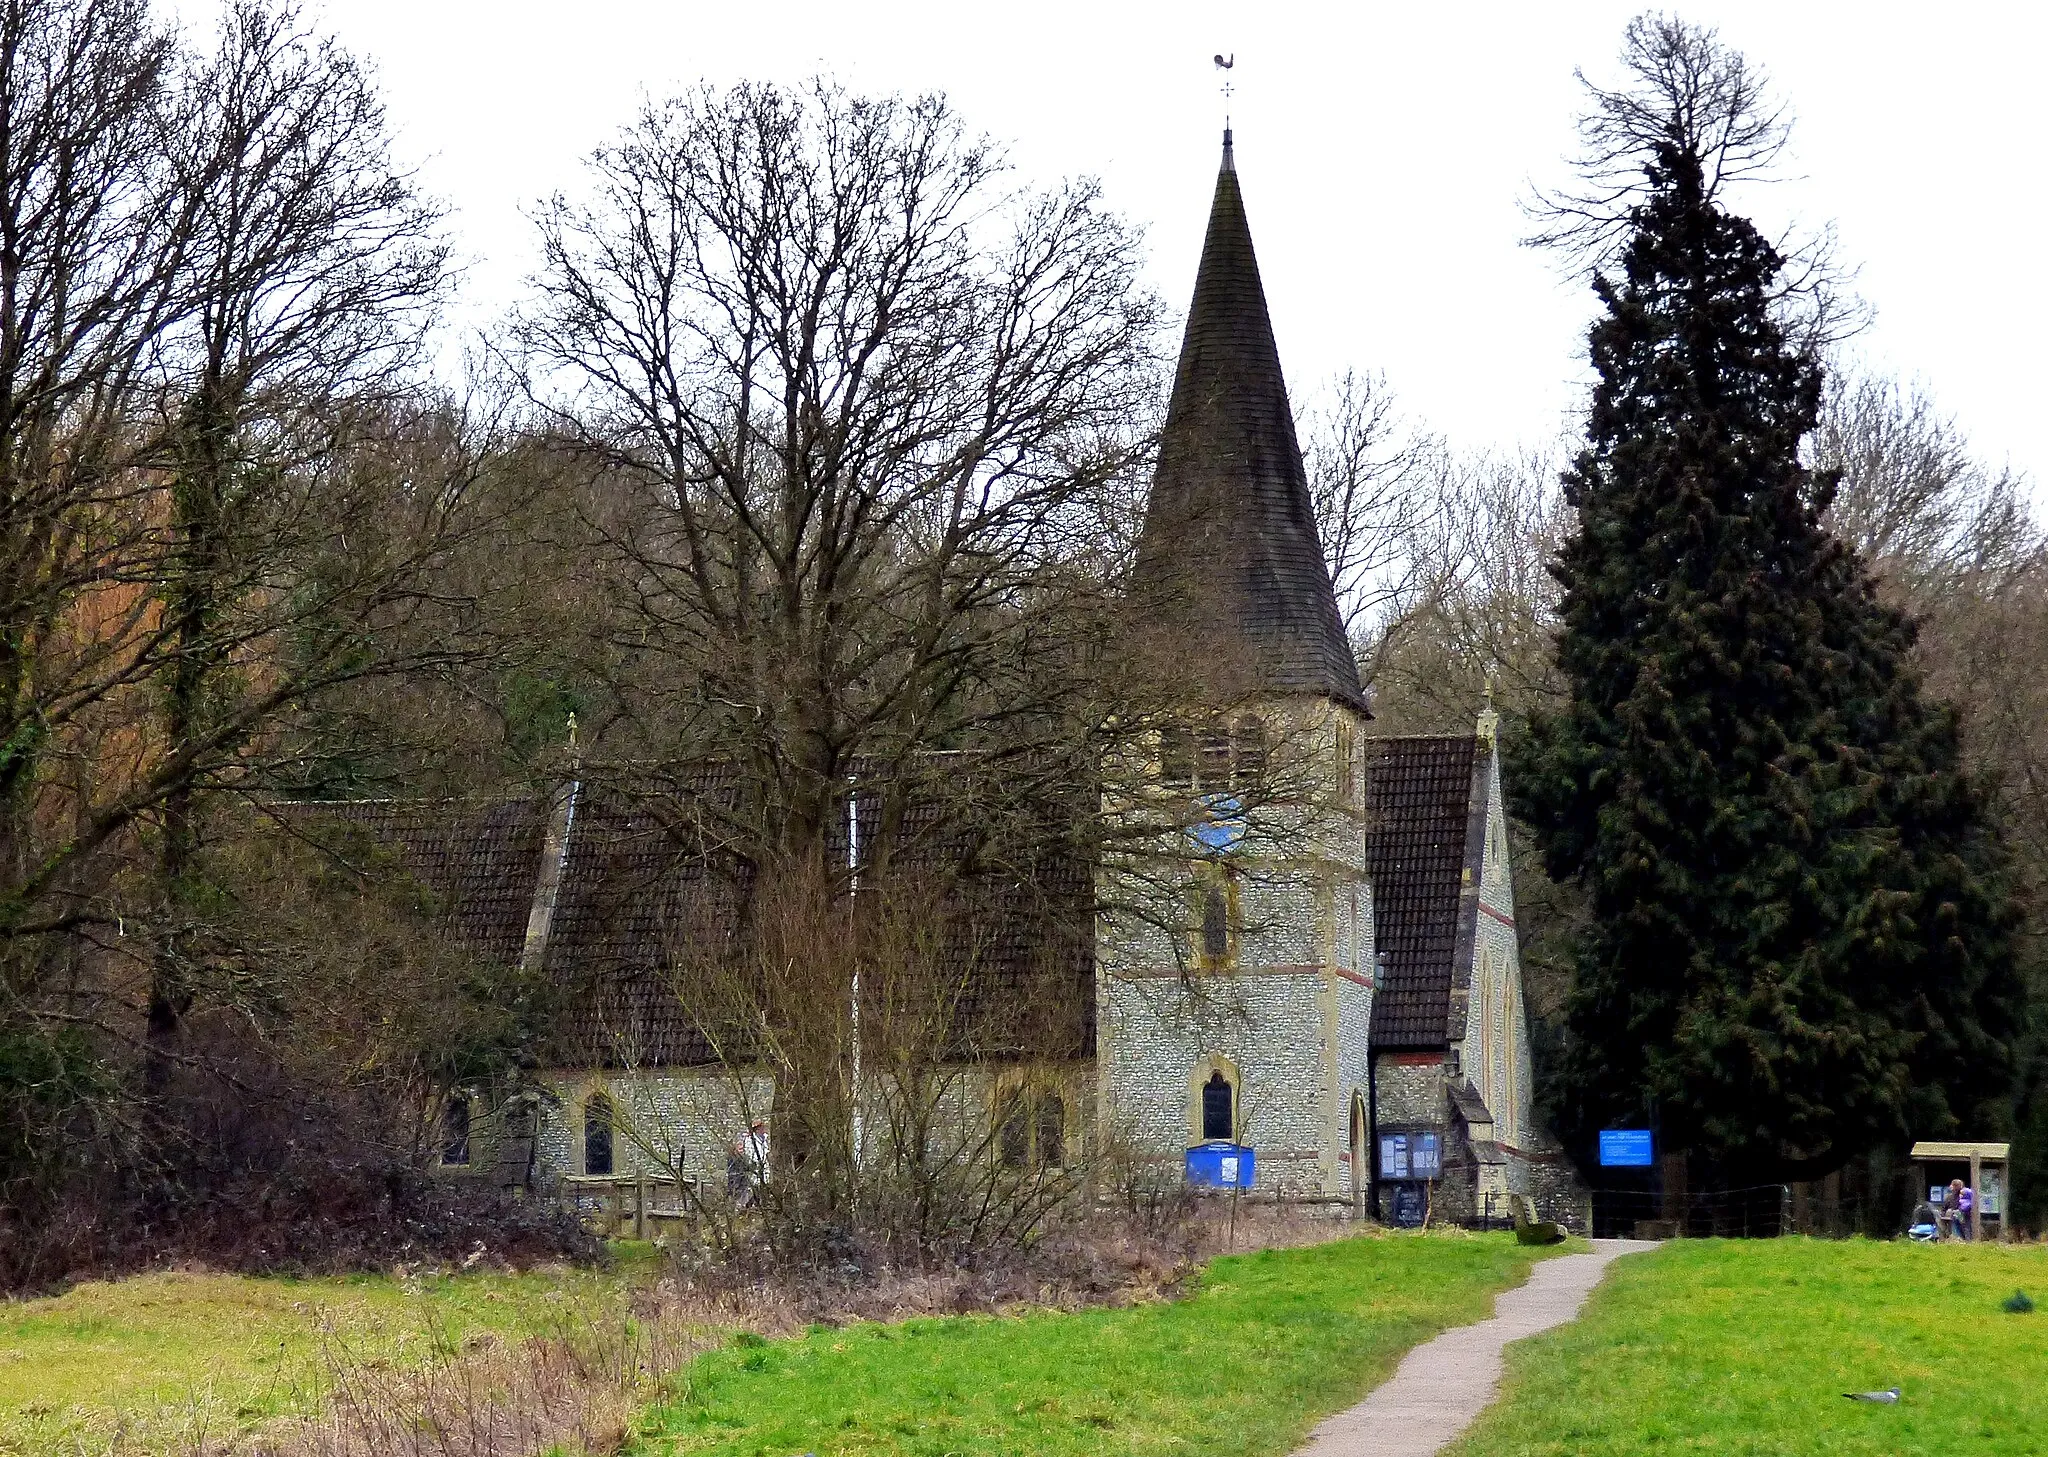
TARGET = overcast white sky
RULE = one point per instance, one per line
(1382, 148)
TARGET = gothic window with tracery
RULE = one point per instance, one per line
(597, 1134)
(1052, 1131)
(1034, 1130)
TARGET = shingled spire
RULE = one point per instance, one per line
(1229, 558)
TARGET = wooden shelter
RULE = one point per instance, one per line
(1982, 1166)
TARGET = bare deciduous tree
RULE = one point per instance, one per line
(1955, 542)
(1681, 81)
(225, 494)
(1911, 495)
(308, 267)
(1378, 503)
(853, 402)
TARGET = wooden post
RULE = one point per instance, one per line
(1976, 1193)
(640, 1207)
(1673, 1204)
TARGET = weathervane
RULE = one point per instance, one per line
(1224, 64)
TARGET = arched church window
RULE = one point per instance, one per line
(1016, 1133)
(1033, 1131)
(455, 1131)
(597, 1134)
(1511, 1115)
(1176, 758)
(1218, 1108)
(1251, 749)
(1052, 1132)
(1215, 923)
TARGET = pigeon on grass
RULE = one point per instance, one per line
(1886, 1398)
(2018, 1303)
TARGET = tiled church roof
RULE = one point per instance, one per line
(478, 861)
(1423, 834)
(645, 910)
(1229, 549)
(639, 907)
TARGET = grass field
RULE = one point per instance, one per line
(1724, 1347)
(1265, 1345)
(1702, 1347)
(151, 1361)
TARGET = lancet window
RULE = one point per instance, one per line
(597, 1134)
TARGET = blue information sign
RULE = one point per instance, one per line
(1625, 1148)
(1222, 1166)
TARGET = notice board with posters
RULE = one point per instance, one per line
(1415, 1155)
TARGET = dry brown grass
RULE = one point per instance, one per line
(575, 1388)
(579, 1388)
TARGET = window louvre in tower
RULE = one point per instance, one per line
(1215, 751)
(1176, 758)
(1251, 749)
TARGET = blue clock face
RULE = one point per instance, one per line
(1224, 825)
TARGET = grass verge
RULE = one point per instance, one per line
(1263, 1346)
(1711, 1346)
(157, 1362)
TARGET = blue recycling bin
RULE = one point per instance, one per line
(1222, 1165)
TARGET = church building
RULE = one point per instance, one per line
(1293, 969)
(1341, 995)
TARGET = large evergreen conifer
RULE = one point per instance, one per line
(1800, 935)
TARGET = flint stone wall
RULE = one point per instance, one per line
(1157, 1033)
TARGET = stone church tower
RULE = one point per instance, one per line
(1234, 955)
